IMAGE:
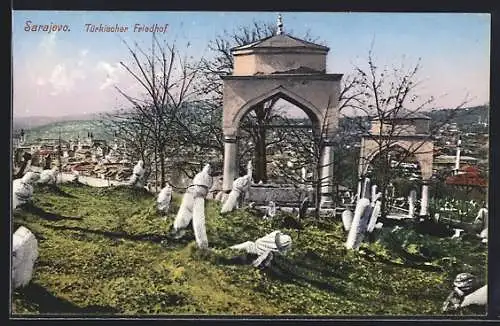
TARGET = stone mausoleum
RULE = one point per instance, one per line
(285, 67)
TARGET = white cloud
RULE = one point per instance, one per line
(111, 74)
(63, 79)
(52, 73)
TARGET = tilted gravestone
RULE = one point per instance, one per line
(24, 255)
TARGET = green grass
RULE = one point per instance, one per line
(103, 254)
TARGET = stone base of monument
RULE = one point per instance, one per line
(324, 212)
(327, 204)
(282, 195)
(24, 255)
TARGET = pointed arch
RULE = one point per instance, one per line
(282, 92)
(405, 146)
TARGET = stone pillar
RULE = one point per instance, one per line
(365, 192)
(374, 192)
(230, 167)
(424, 203)
(326, 175)
(411, 203)
(360, 187)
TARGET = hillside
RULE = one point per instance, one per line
(28, 122)
(67, 130)
(101, 251)
(464, 117)
(71, 127)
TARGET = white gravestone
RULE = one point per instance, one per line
(375, 212)
(359, 223)
(250, 170)
(270, 211)
(164, 199)
(137, 177)
(457, 234)
(374, 193)
(193, 206)
(482, 218)
(25, 253)
(478, 297)
(22, 189)
(49, 176)
(239, 191)
(347, 219)
(264, 247)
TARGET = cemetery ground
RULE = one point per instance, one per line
(101, 252)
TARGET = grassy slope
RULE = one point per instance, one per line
(111, 261)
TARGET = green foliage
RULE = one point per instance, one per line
(108, 252)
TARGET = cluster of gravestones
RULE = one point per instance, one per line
(192, 210)
(364, 219)
(24, 243)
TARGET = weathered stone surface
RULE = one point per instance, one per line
(358, 227)
(263, 194)
(25, 253)
(347, 219)
(478, 297)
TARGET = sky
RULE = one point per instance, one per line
(73, 72)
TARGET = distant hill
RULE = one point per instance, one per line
(463, 117)
(68, 130)
(36, 121)
(72, 126)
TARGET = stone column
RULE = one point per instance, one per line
(411, 203)
(230, 168)
(365, 192)
(326, 175)
(360, 187)
(424, 203)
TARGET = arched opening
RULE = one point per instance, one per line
(397, 166)
(278, 135)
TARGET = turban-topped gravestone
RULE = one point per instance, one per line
(24, 255)
(274, 242)
(193, 206)
(240, 190)
(137, 177)
(49, 176)
(466, 292)
(164, 199)
(22, 189)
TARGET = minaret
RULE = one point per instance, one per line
(457, 159)
(279, 31)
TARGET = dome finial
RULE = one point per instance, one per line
(280, 25)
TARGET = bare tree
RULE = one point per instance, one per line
(389, 96)
(156, 123)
